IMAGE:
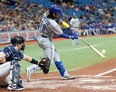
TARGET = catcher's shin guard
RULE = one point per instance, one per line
(60, 67)
(15, 73)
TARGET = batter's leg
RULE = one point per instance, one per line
(31, 69)
(61, 67)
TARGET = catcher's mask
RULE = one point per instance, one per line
(18, 40)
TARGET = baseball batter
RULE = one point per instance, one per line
(48, 27)
(9, 63)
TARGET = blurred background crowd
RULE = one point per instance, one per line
(95, 17)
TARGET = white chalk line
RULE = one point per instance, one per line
(91, 82)
(104, 73)
(85, 47)
(82, 81)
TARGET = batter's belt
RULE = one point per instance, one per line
(44, 36)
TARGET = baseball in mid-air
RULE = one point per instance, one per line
(103, 51)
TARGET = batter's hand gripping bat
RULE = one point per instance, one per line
(93, 48)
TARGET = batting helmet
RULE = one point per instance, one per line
(56, 9)
(17, 40)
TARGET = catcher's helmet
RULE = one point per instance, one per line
(17, 40)
(56, 9)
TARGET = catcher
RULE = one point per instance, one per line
(9, 64)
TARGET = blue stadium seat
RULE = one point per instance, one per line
(45, 3)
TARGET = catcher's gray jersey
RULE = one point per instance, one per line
(46, 31)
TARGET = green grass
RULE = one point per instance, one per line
(74, 57)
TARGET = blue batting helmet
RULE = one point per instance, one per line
(56, 9)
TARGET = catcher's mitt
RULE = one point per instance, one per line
(45, 65)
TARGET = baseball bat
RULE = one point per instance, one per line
(93, 48)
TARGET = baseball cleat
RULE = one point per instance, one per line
(15, 87)
(28, 74)
(68, 77)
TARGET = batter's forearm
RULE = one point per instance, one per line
(65, 35)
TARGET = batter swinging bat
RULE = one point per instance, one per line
(93, 48)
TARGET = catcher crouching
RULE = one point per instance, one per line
(10, 67)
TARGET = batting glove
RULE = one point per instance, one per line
(74, 37)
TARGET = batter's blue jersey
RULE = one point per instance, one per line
(11, 52)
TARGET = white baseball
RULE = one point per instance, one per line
(103, 51)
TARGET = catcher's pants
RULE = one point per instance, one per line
(5, 74)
